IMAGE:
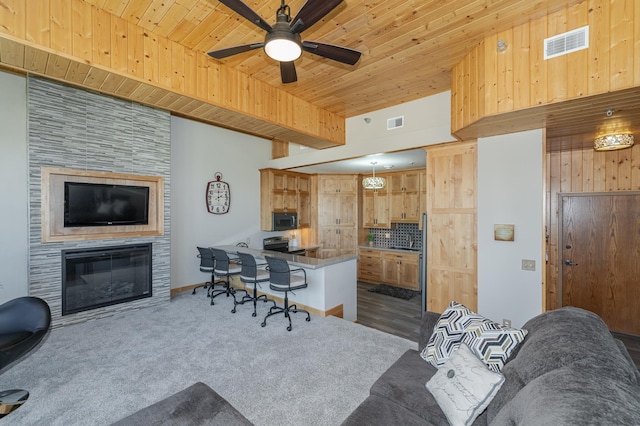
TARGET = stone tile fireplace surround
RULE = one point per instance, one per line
(76, 129)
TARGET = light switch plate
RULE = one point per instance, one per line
(528, 265)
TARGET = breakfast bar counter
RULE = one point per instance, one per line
(332, 283)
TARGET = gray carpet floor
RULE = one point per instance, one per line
(100, 371)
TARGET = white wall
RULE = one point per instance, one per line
(14, 189)
(510, 191)
(198, 151)
(427, 122)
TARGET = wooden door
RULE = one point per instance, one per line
(600, 256)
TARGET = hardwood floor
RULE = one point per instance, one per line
(389, 314)
(402, 318)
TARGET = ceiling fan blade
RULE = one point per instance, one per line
(288, 72)
(230, 51)
(329, 51)
(246, 12)
(312, 12)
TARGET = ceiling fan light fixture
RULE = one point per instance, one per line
(613, 142)
(282, 49)
(280, 43)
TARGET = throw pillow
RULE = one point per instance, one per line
(491, 342)
(463, 387)
(448, 333)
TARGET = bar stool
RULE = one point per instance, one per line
(282, 278)
(252, 276)
(224, 267)
(207, 264)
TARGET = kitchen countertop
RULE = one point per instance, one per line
(392, 248)
(293, 259)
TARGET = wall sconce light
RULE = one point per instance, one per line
(612, 142)
(502, 46)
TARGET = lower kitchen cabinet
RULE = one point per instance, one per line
(401, 269)
(369, 266)
(389, 267)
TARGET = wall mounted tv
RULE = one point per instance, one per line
(95, 204)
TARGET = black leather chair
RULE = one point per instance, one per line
(23, 323)
(282, 278)
(252, 276)
(207, 264)
(225, 267)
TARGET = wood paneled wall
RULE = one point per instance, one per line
(488, 84)
(71, 40)
(580, 171)
(452, 226)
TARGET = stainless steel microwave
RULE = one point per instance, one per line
(284, 221)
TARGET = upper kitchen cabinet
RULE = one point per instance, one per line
(282, 191)
(338, 184)
(375, 207)
(337, 214)
(404, 188)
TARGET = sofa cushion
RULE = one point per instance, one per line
(376, 410)
(403, 384)
(563, 338)
(578, 394)
(464, 386)
(196, 405)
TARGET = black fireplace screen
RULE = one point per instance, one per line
(97, 277)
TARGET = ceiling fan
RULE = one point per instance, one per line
(283, 42)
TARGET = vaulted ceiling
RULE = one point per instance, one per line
(408, 46)
(408, 50)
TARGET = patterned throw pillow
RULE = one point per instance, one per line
(463, 387)
(447, 333)
(492, 342)
(488, 340)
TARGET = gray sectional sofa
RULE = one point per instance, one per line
(568, 371)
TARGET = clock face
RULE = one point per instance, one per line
(218, 197)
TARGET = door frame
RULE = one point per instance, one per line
(561, 196)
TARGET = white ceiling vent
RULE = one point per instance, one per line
(395, 122)
(568, 42)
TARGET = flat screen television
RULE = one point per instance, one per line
(95, 204)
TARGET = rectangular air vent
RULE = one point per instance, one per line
(395, 122)
(568, 42)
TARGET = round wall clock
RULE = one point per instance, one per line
(218, 195)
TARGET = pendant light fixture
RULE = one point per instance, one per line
(374, 182)
(612, 142)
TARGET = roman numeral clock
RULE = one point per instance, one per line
(218, 195)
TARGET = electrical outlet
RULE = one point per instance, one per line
(387, 235)
(528, 265)
(506, 322)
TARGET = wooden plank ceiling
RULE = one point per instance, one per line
(408, 46)
(408, 50)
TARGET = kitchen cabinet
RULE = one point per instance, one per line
(282, 191)
(404, 188)
(400, 269)
(375, 208)
(336, 241)
(304, 201)
(337, 215)
(369, 267)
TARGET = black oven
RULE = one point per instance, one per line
(284, 221)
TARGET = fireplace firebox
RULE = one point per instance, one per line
(97, 277)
